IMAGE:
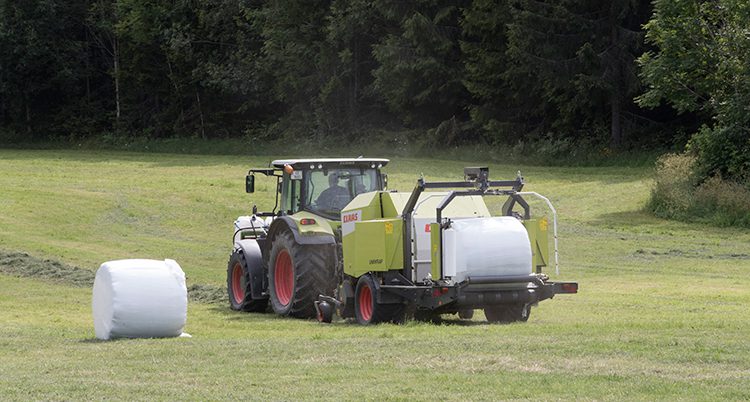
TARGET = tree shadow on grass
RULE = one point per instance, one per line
(168, 156)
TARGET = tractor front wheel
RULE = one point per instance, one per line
(368, 310)
(298, 274)
(238, 285)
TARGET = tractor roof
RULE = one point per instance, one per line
(330, 162)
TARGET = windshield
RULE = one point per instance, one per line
(328, 191)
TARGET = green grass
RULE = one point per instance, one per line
(662, 311)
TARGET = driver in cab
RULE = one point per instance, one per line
(335, 197)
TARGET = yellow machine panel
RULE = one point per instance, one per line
(537, 229)
(377, 246)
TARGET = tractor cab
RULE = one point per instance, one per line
(320, 186)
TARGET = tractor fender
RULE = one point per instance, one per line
(283, 222)
(254, 258)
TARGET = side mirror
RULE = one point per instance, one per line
(385, 181)
(250, 183)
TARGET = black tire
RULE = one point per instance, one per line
(368, 310)
(508, 313)
(324, 312)
(298, 274)
(238, 285)
(466, 314)
(495, 314)
(521, 312)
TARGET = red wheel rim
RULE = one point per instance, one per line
(238, 288)
(283, 277)
(365, 303)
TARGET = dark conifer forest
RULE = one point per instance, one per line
(612, 75)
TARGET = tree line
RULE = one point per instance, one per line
(620, 73)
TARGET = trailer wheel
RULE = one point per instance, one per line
(508, 313)
(298, 274)
(495, 314)
(238, 285)
(466, 314)
(368, 310)
(521, 312)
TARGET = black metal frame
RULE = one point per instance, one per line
(476, 293)
(268, 172)
(479, 180)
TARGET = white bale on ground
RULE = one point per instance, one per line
(139, 299)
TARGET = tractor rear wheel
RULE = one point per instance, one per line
(368, 310)
(298, 274)
(238, 285)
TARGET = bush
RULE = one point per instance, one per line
(680, 193)
(674, 184)
(723, 151)
(723, 202)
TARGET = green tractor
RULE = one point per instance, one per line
(340, 243)
(290, 256)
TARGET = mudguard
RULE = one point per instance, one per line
(254, 258)
(283, 222)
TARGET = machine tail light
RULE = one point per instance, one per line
(307, 221)
(569, 287)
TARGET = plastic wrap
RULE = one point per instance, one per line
(478, 247)
(139, 299)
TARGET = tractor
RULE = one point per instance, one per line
(339, 243)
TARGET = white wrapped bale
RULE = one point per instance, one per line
(479, 247)
(139, 299)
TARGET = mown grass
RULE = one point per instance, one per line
(662, 312)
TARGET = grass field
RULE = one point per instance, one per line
(662, 311)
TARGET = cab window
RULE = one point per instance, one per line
(328, 191)
(291, 195)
